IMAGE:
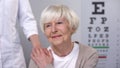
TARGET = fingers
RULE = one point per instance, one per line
(51, 56)
(35, 52)
(38, 56)
(42, 57)
(46, 51)
(50, 53)
(34, 59)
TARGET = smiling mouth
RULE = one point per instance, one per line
(56, 36)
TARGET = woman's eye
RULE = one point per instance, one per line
(48, 25)
(59, 22)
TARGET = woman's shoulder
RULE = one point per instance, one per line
(85, 48)
(32, 64)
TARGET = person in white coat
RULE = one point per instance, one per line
(11, 53)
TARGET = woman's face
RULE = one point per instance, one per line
(58, 31)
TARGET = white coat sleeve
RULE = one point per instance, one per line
(26, 18)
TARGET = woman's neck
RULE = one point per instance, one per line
(63, 49)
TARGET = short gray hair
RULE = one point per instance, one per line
(58, 11)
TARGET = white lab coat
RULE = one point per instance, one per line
(11, 53)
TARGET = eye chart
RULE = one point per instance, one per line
(100, 29)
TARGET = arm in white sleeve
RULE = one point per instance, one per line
(26, 18)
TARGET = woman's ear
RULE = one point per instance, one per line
(72, 30)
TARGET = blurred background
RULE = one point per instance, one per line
(99, 28)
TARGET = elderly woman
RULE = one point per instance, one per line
(58, 23)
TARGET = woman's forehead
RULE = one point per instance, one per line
(55, 19)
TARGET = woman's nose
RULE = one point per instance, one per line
(53, 29)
